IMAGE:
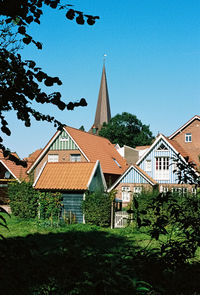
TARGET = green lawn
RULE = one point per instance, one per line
(82, 259)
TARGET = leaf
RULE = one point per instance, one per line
(135, 203)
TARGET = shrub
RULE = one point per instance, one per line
(23, 199)
(50, 205)
(97, 208)
(176, 217)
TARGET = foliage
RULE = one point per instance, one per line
(3, 221)
(23, 199)
(26, 202)
(20, 80)
(85, 259)
(82, 128)
(126, 129)
(178, 219)
(97, 208)
(50, 205)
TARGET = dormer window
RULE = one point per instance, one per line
(188, 137)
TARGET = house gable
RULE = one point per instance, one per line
(188, 138)
(97, 181)
(133, 175)
(157, 162)
(63, 142)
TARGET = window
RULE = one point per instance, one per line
(180, 190)
(75, 158)
(64, 138)
(164, 189)
(188, 137)
(194, 191)
(52, 158)
(125, 194)
(162, 147)
(162, 168)
(137, 190)
(148, 165)
(116, 163)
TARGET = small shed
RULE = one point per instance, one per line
(72, 180)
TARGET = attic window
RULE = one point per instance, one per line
(63, 138)
(188, 137)
(162, 147)
(116, 162)
(52, 158)
(75, 158)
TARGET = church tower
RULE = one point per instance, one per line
(103, 113)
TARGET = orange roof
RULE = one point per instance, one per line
(184, 126)
(142, 147)
(65, 176)
(17, 171)
(182, 151)
(32, 157)
(99, 148)
(145, 174)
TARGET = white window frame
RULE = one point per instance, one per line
(75, 157)
(137, 190)
(162, 168)
(188, 137)
(53, 158)
(126, 194)
(148, 166)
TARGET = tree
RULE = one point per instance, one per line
(127, 129)
(20, 80)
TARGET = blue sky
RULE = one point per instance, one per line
(152, 65)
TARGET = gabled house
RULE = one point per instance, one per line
(158, 162)
(72, 180)
(74, 145)
(9, 172)
(188, 137)
(133, 181)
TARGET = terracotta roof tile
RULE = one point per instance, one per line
(65, 176)
(145, 174)
(99, 148)
(18, 171)
(182, 151)
(142, 147)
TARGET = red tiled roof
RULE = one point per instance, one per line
(32, 157)
(99, 148)
(145, 174)
(142, 147)
(17, 171)
(182, 151)
(184, 126)
(65, 176)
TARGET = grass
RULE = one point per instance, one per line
(37, 259)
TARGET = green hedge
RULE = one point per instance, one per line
(23, 199)
(97, 208)
(26, 202)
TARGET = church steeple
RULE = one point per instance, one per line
(103, 113)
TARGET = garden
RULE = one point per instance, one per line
(157, 253)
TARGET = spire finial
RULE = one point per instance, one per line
(104, 58)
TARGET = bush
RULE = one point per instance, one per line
(26, 202)
(23, 199)
(178, 219)
(50, 205)
(97, 208)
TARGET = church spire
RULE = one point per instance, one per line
(103, 113)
